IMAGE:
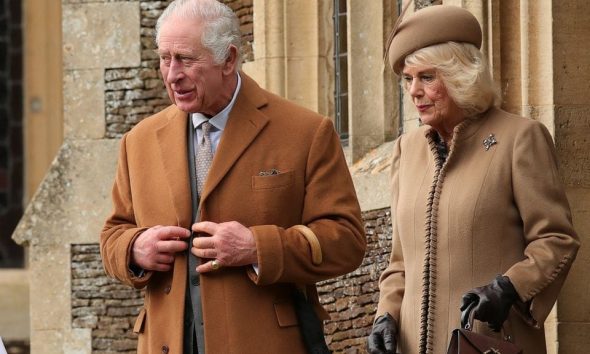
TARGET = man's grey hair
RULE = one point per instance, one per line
(221, 27)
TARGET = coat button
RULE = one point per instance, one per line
(167, 289)
(195, 280)
(165, 349)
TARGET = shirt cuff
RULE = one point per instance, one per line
(255, 267)
(136, 271)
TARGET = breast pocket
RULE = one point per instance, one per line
(277, 198)
(280, 180)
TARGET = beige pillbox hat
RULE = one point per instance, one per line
(432, 25)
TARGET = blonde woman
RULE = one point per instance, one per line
(480, 218)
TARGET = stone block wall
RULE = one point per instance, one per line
(102, 304)
(11, 135)
(244, 9)
(351, 300)
(132, 94)
(109, 308)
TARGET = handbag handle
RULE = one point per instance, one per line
(467, 321)
(467, 317)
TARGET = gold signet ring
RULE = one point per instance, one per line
(215, 264)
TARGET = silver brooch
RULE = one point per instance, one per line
(489, 141)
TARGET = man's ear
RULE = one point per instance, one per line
(231, 62)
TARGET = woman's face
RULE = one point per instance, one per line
(429, 95)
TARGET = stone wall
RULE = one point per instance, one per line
(351, 300)
(132, 94)
(11, 144)
(109, 308)
(102, 304)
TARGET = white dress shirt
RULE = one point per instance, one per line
(218, 122)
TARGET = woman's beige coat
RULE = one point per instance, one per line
(484, 212)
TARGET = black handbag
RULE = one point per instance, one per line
(465, 341)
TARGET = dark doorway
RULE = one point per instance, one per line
(11, 130)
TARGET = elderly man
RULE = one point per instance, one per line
(262, 184)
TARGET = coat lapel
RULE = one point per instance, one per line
(172, 139)
(244, 124)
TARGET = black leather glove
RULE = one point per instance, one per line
(491, 303)
(382, 339)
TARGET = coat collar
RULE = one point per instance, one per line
(172, 140)
(245, 122)
(467, 128)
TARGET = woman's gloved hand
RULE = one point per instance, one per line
(383, 337)
(492, 302)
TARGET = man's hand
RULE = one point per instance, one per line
(156, 247)
(231, 244)
(383, 337)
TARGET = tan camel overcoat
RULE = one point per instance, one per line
(243, 313)
(500, 210)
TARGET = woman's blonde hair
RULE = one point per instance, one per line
(464, 72)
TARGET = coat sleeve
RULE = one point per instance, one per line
(392, 280)
(120, 229)
(551, 242)
(331, 211)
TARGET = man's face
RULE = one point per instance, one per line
(193, 80)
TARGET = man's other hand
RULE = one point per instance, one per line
(156, 247)
(230, 244)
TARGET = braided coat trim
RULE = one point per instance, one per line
(429, 276)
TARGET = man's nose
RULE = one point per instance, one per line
(175, 72)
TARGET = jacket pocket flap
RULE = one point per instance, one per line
(138, 327)
(285, 313)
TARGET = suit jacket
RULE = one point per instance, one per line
(243, 312)
(482, 213)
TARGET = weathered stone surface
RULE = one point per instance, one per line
(69, 206)
(573, 337)
(74, 198)
(14, 306)
(372, 178)
(572, 128)
(88, 45)
(112, 307)
(351, 300)
(83, 104)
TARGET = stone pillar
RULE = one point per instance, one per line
(372, 93)
(268, 67)
(292, 53)
(73, 199)
(309, 68)
(571, 109)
